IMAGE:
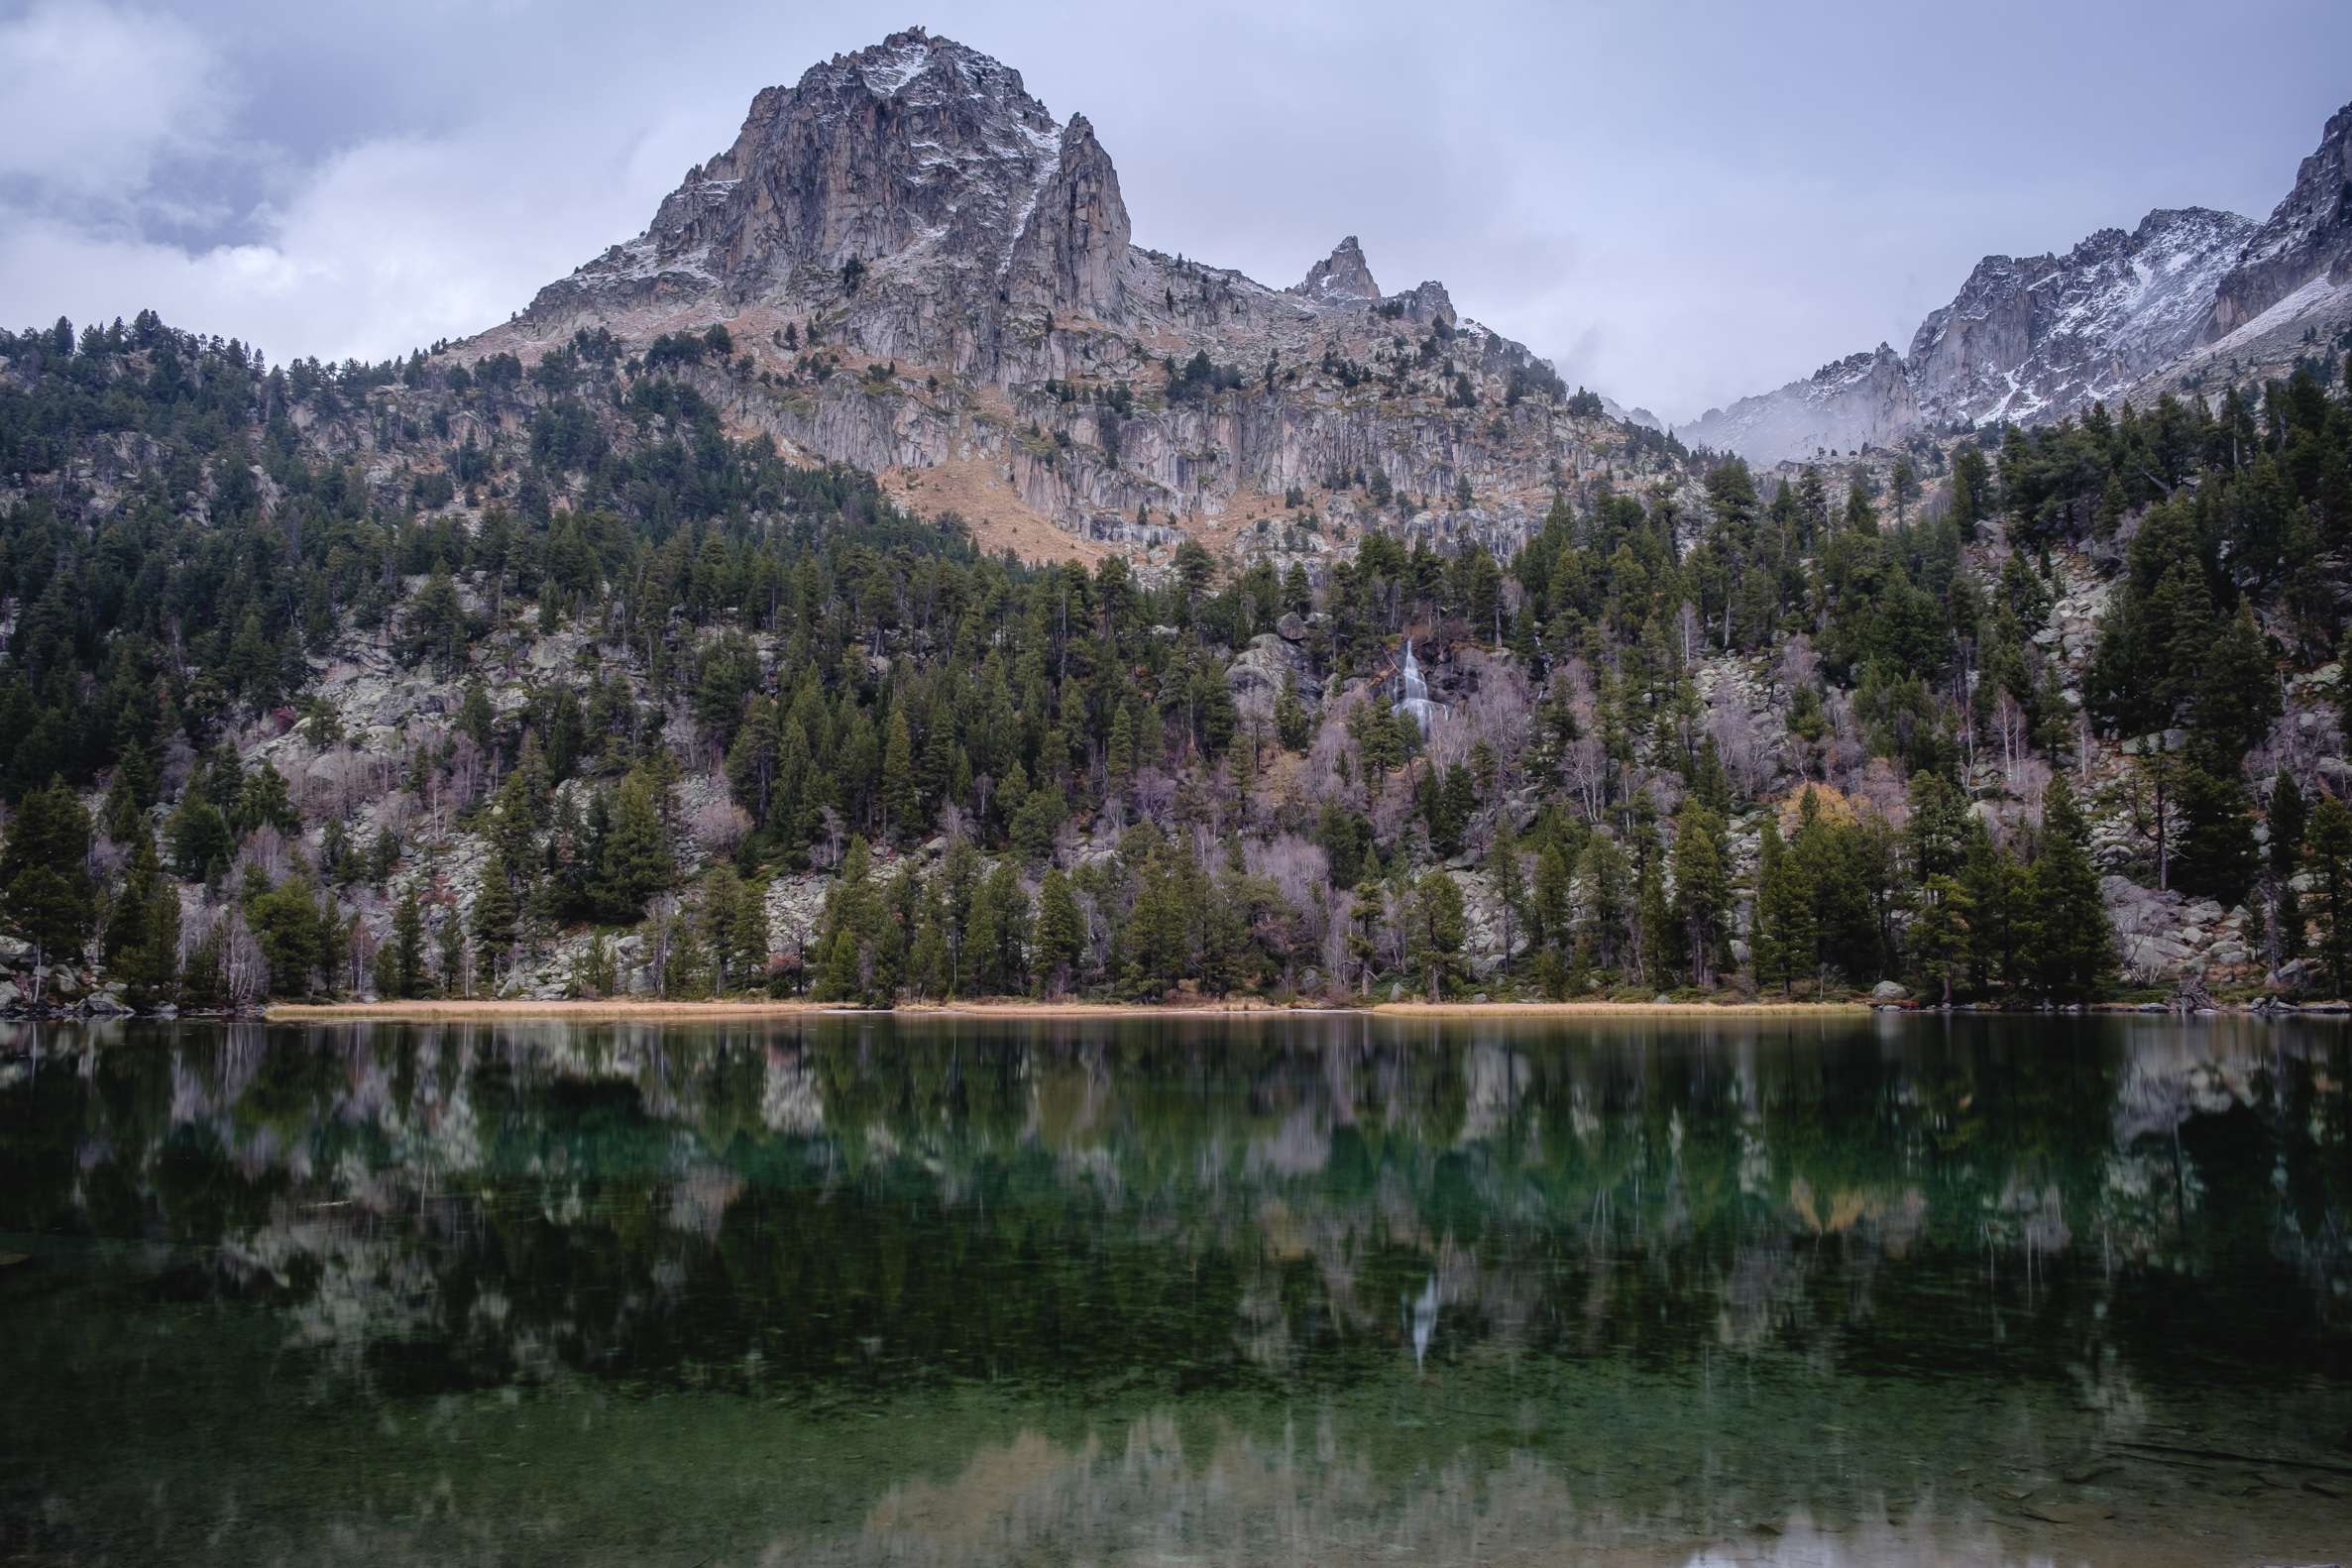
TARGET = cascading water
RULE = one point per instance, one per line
(1413, 692)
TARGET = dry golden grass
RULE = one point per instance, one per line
(1240, 1007)
(1608, 1009)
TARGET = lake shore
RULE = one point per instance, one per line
(522, 1009)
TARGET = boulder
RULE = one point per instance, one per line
(1889, 991)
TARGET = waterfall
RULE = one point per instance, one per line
(1413, 695)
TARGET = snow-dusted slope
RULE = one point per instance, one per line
(2033, 337)
(2289, 289)
(2188, 294)
(2308, 236)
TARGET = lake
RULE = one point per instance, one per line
(854, 1289)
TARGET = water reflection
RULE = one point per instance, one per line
(1307, 1290)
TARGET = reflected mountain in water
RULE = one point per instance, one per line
(997, 1292)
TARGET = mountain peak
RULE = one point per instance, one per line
(2307, 239)
(1343, 275)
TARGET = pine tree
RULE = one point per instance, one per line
(1782, 942)
(497, 913)
(2287, 820)
(1996, 889)
(400, 962)
(1434, 945)
(841, 977)
(1551, 902)
(999, 934)
(1510, 882)
(2330, 847)
(1939, 827)
(1939, 936)
(2213, 853)
(200, 840)
(141, 946)
(2068, 944)
(1060, 930)
(1605, 891)
(451, 961)
(900, 803)
(1155, 941)
(46, 894)
(633, 863)
(1702, 887)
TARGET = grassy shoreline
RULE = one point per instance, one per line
(525, 1009)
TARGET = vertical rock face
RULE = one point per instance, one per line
(1073, 246)
(2308, 237)
(914, 187)
(1343, 275)
(2035, 336)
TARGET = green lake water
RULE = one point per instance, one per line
(854, 1289)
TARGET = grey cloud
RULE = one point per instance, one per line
(1680, 204)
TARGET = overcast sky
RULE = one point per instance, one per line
(1678, 203)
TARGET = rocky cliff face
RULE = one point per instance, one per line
(2188, 294)
(911, 212)
(1863, 399)
(2033, 334)
(1343, 275)
(2308, 237)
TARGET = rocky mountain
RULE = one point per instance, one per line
(1863, 399)
(2030, 334)
(912, 213)
(2309, 238)
(2123, 314)
(2290, 286)
(1344, 274)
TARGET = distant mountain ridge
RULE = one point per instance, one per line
(2123, 314)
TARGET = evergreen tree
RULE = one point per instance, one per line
(633, 863)
(400, 963)
(2068, 943)
(900, 803)
(1702, 887)
(141, 946)
(1606, 895)
(1438, 928)
(200, 840)
(1509, 879)
(1996, 889)
(46, 894)
(2213, 853)
(2286, 823)
(1782, 940)
(1939, 936)
(2330, 847)
(452, 962)
(1060, 932)
(497, 913)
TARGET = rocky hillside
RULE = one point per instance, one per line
(2189, 300)
(912, 213)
